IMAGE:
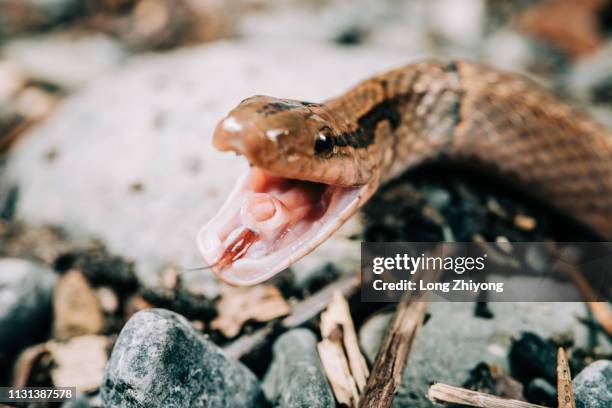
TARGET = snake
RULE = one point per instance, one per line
(314, 165)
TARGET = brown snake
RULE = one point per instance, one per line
(314, 165)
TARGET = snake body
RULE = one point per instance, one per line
(450, 111)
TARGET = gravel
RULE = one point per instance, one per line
(296, 377)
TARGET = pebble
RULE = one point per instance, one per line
(108, 300)
(453, 340)
(18, 16)
(296, 377)
(589, 78)
(160, 360)
(540, 391)
(25, 304)
(532, 356)
(525, 222)
(593, 385)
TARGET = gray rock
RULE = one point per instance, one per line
(80, 401)
(296, 377)
(68, 60)
(453, 341)
(541, 392)
(159, 360)
(17, 16)
(593, 385)
(25, 304)
(134, 147)
(590, 79)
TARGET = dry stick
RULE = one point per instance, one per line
(565, 391)
(337, 371)
(601, 310)
(392, 357)
(387, 372)
(344, 365)
(302, 312)
(456, 395)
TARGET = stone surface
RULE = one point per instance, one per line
(593, 385)
(590, 79)
(67, 60)
(296, 377)
(159, 360)
(25, 304)
(17, 16)
(453, 341)
(131, 155)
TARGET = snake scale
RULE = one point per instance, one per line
(314, 165)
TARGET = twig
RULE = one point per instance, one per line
(338, 373)
(302, 312)
(448, 394)
(565, 391)
(601, 310)
(312, 306)
(344, 365)
(387, 372)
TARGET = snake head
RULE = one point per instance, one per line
(300, 188)
(291, 138)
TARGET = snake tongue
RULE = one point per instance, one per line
(269, 222)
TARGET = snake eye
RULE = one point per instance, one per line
(324, 143)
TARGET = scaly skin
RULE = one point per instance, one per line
(505, 124)
(458, 111)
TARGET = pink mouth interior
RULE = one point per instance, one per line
(268, 222)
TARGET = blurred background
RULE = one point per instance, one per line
(106, 166)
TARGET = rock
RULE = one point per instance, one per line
(25, 304)
(593, 385)
(540, 391)
(453, 341)
(590, 79)
(99, 266)
(460, 24)
(67, 60)
(76, 308)
(81, 401)
(295, 377)
(163, 24)
(17, 16)
(108, 300)
(165, 107)
(159, 360)
(531, 356)
(80, 362)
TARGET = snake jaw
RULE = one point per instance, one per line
(269, 222)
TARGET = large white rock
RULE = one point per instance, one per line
(129, 158)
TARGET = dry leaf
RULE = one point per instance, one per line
(239, 305)
(25, 363)
(80, 362)
(342, 360)
(76, 308)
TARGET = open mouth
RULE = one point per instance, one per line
(269, 222)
